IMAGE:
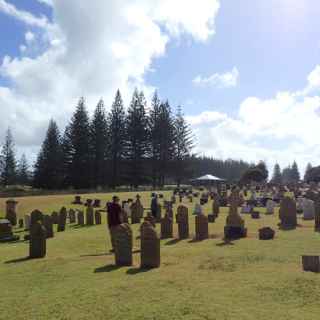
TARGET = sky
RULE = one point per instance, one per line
(246, 73)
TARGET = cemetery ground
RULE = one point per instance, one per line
(211, 279)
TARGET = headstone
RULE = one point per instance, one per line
(62, 220)
(80, 218)
(35, 217)
(37, 244)
(270, 205)
(122, 235)
(77, 200)
(89, 216)
(72, 216)
(136, 212)
(55, 217)
(216, 206)
(88, 203)
(234, 228)
(197, 209)
(47, 223)
(150, 246)
(21, 225)
(166, 227)
(211, 218)
(6, 233)
(183, 222)
(317, 214)
(11, 213)
(202, 228)
(255, 215)
(27, 222)
(159, 213)
(150, 218)
(288, 213)
(97, 217)
(311, 263)
(124, 215)
(97, 203)
(266, 233)
(299, 204)
(308, 209)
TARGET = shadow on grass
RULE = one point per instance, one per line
(135, 271)
(172, 242)
(225, 243)
(18, 260)
(107, 268)
(78, 226)
(97, 254)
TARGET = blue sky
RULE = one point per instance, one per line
(246, 72)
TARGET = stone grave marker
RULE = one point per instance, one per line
(27, 222)
(123, 243)
(11, 213)
(202, 227)
(183, 222)
(47, 223)
(72, 216)
(80, 218)
(166, 227)
(89, 215)
(308, 209)
(97, 217)
(38, 241)
(6, 233)
(62, 220)
(288, 213)
(150, 246)
(266, 233)
(311, 263)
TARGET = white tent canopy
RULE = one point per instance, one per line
(208, 177)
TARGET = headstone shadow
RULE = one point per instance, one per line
(134, 271)
(18, 260)
(172, 242)
(225, 243)
(107, 268)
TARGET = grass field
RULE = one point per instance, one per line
(248, 279)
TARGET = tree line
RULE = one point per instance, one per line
(134, 146)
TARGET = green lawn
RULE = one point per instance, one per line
(248, 279)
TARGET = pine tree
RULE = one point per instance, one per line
(276, 177)
(8, 159)
(23, 176)
(294, 175)
(183, 144)
(117, 138)
(307, 173)
(137, 139)
(99, 144)
(48, 167)
(79, 148)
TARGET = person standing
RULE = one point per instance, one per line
(114, 217)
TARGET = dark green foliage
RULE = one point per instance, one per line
(117, 139)
(307, 173)
(8, 161)
(48, 167)
(276, 177)
(78, 141)
(23, 174)
(313, 174)
(291, 174)
(137, 139)
(99, 144)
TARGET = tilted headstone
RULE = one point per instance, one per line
(62, 221)
(97, 217)
(11, 213)
(202, 227)
(47, 223)
(123, 243)
(37, 244)
(308, 209)
(80, 218)
(288, 213)
(183, 222)
(89, 216)
(150, 246)
(166, 227)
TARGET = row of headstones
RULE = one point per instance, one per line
(96, 203)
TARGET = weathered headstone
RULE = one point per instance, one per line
(77, 200)
(270, 205)
(234, 228)
(255, 215)
(11, 213)
(55, 217)
(21, 224)
(150, 218)
(166, 227)
(183, 222)
(122, 241)
(72, 216)
(62, 220)
(308, 209)
(97, 217)
(216, 206)
(6, 233)
(136, 213)
(317, 214)
(27, 222)
(266, 233)
(202, 228)
(211, 218)
(159, 214)
(97, 203)
(124, 215)
(47, 223)
(37, 244)
(311, 263)
(35, 216)
(150, 246)
(89, 216)
(80, 218)
(288, 213)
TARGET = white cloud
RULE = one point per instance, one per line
(23, 16)
(89, 50)
(225, 80)
(283, 129)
